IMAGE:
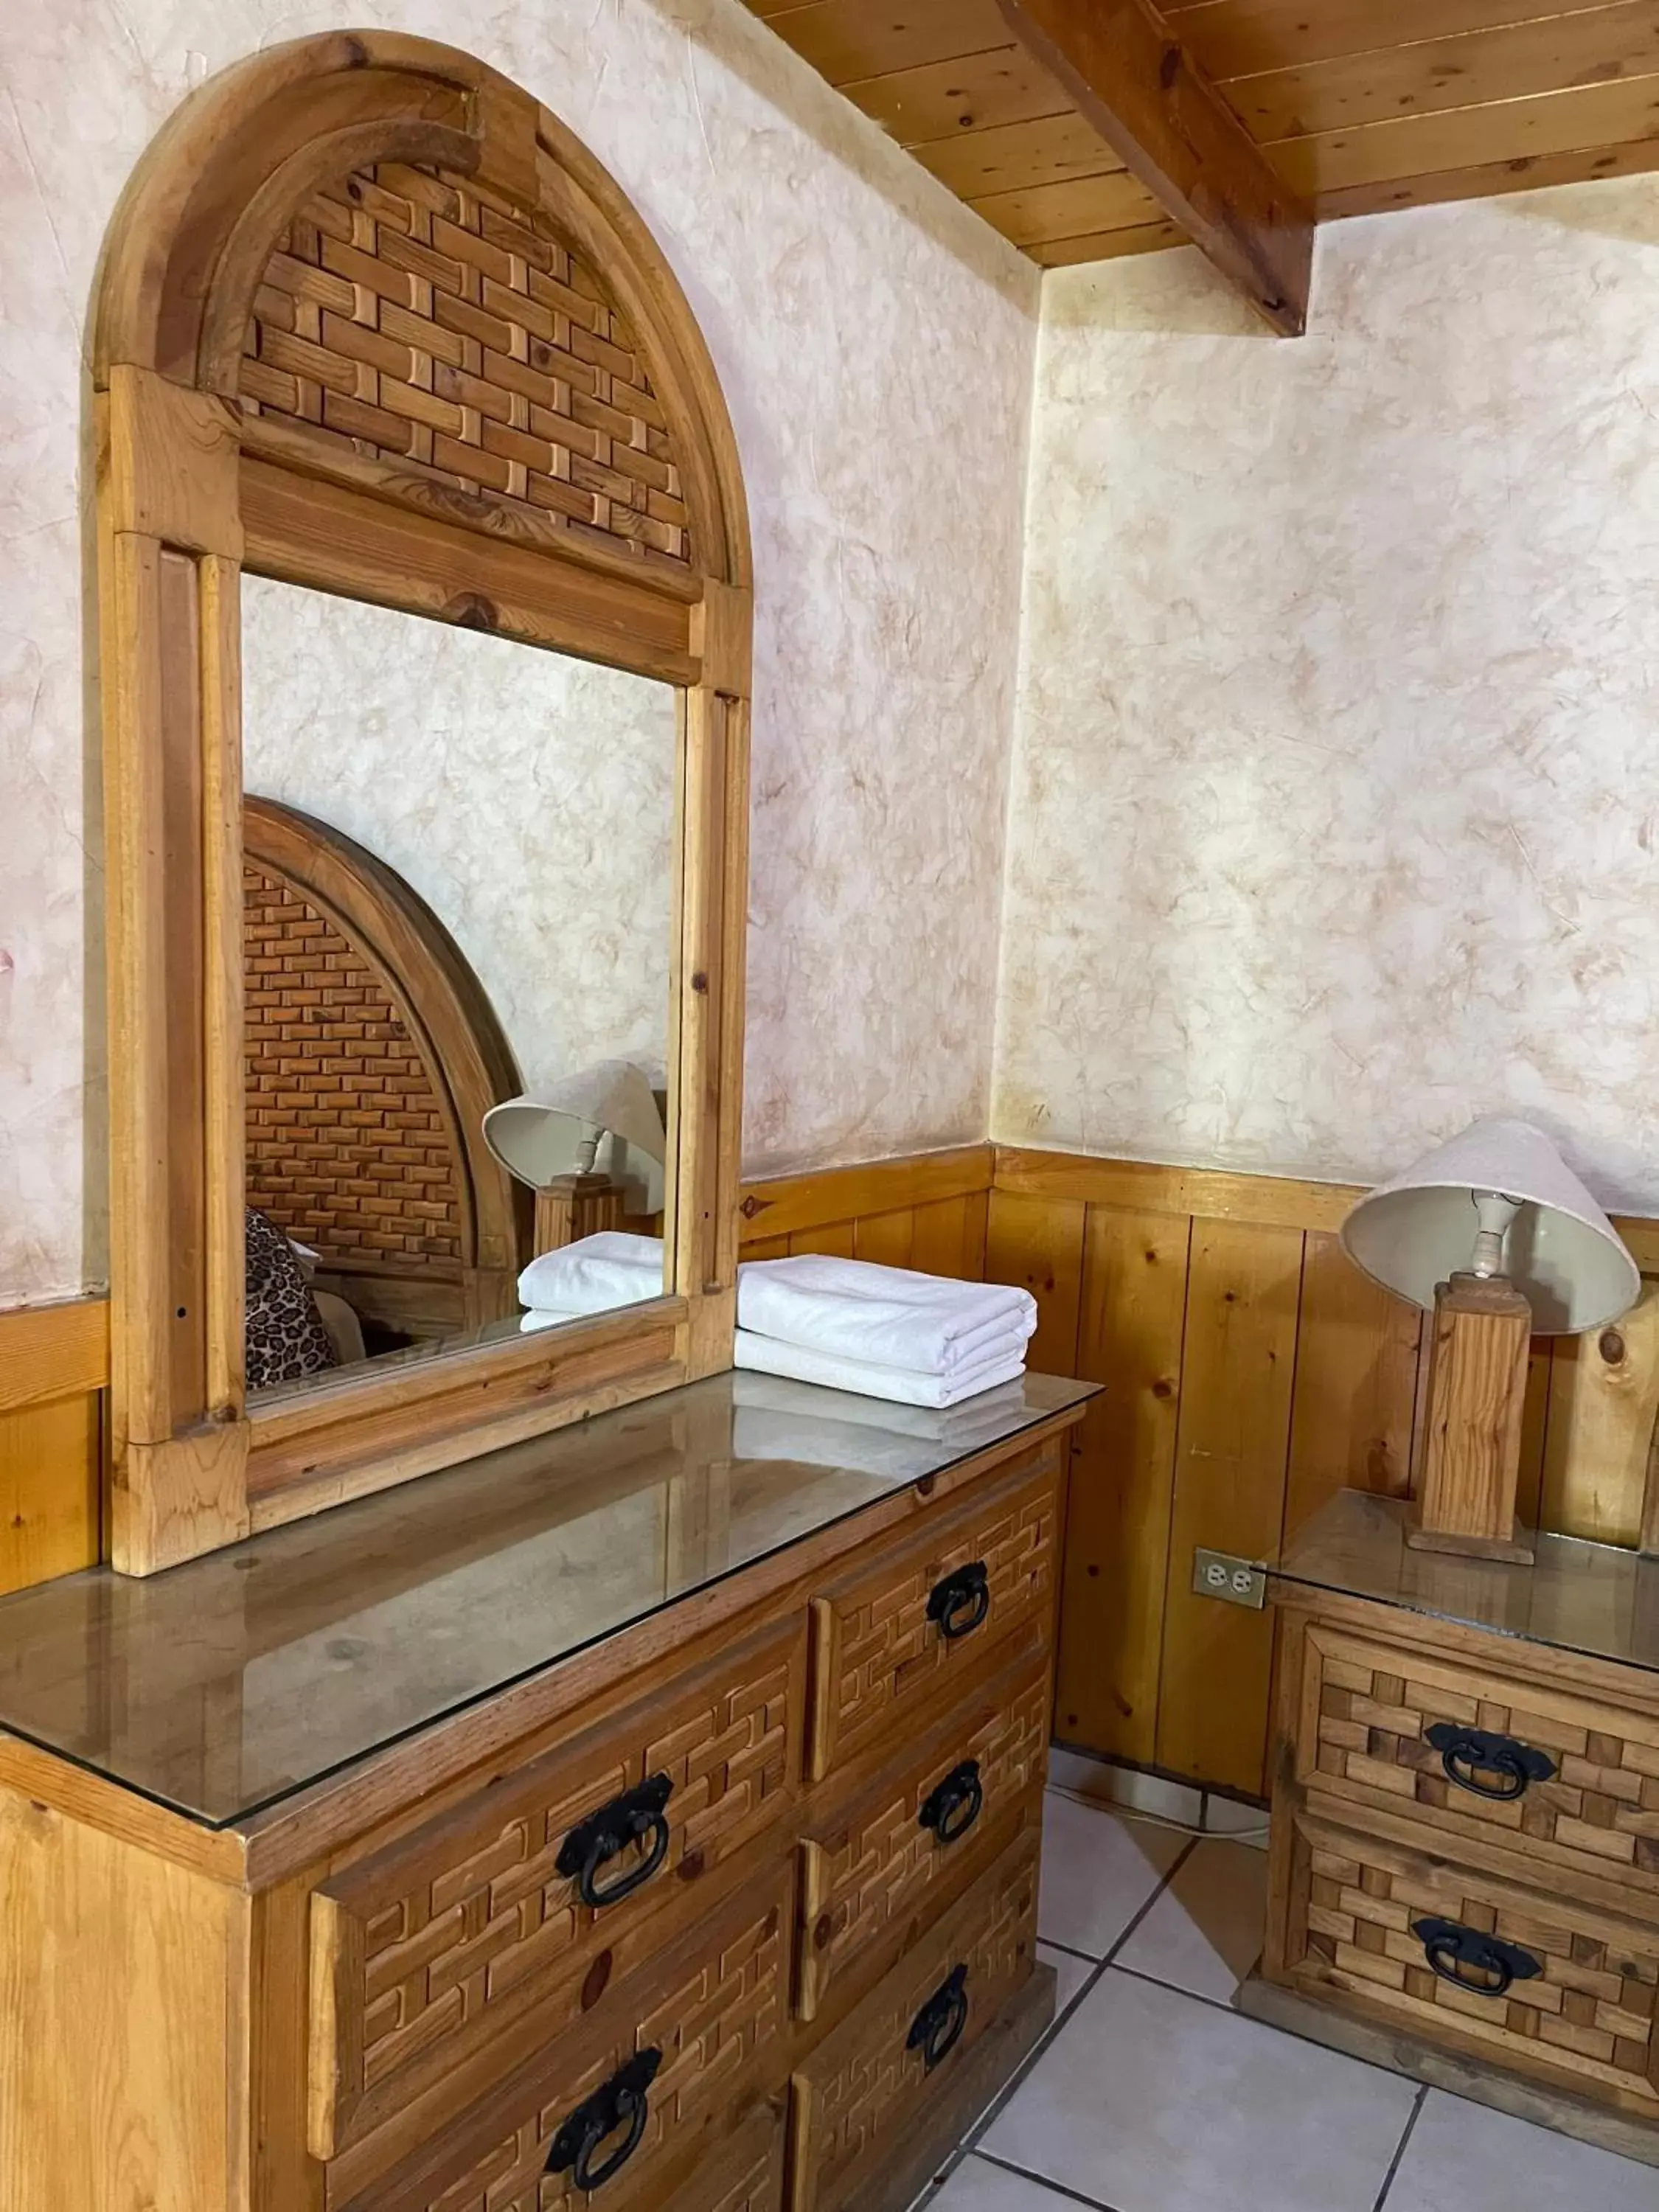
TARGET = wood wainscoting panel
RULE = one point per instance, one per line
(927, 1212)
(54, 1368)
(1117, 1529)
(1233, 1449)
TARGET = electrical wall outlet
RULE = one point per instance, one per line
(1235, 1582)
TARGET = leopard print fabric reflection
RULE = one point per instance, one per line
(286, 1337)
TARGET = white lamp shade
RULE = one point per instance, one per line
(542, 1135)
(1563, 1253)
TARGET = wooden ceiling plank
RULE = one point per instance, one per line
(849, 41)
(1049, 152)
(1236, 39)
(1088, 204)
(1530, 174)
(953, 99)
(1437, 76)
(1177, 136)
(1108, 244)
(1590, 119)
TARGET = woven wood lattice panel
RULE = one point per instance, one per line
(865, 2086)
(347, 1146)
(454, 1932)
(413, 317)
(877, 1650)
(711, 2010)
(1588, 2011)
(1368, 1715)
(879, 1866)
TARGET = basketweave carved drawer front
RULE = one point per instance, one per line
(870, 2079)
(664, 2097)
(886, 1637)
(902, 1850)
(1449, 1953)
(490, 1916)
(1472, 1749)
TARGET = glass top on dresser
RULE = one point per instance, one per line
(1591, 1598)
(222, 1687)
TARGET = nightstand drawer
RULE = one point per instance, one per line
(1553, 1986)
(868, 2089)
(662, 2097)
(886, 1638)
(1471, 1749)
(488, 1919)
(893, 1853)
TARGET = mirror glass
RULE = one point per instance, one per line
(458, 896)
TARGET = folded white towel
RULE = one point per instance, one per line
(594, 1274)
(767, 1355)
(884, 1317)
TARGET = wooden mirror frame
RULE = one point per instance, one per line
(191, 485)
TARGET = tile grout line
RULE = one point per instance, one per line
(968, 2145)
(1400, 2148)
(1041, 2181)
(1070, 1949)
(1179, 1990)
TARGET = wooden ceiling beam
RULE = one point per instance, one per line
(1131, 76)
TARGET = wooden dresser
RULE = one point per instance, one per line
(646, 1816)
(1466, 1820)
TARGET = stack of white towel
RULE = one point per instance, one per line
(882, 1332)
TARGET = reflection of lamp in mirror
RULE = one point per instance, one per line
(1496, 1237)
(592, 1147)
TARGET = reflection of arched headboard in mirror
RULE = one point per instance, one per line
(372, 321)
(358, 1005)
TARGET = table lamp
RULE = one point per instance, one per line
(1496, 1237)
(592, 1147)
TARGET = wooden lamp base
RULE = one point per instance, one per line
(1472, 1438)
(574, 1206)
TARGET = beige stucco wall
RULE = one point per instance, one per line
(1335, 816)
(875, 343)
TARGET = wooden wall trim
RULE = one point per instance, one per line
(782, 1206)
(1146, 1187)
(51, 1351)
(1222, 1194)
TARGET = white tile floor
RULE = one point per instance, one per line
(1153, 2095)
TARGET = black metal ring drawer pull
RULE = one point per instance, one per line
(1483, 1964)
(957, 1803)
(1466, 1754)
(961, 1600)
(604, 1835)
(621, 2103)
(937, 2029)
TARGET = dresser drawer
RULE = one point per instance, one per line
(886, 1637)
(673, 2063)
(866, 2091)
(479, 1924)
(895, 1854)
(1557, 1988)
(1571, 1778)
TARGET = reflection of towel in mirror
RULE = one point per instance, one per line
(884, 1316)
(765, 1355)
(594, 1274)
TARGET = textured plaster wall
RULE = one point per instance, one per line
(528, 798)
(1335, 816)
(876, 345)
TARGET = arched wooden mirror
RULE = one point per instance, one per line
(420, 515)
